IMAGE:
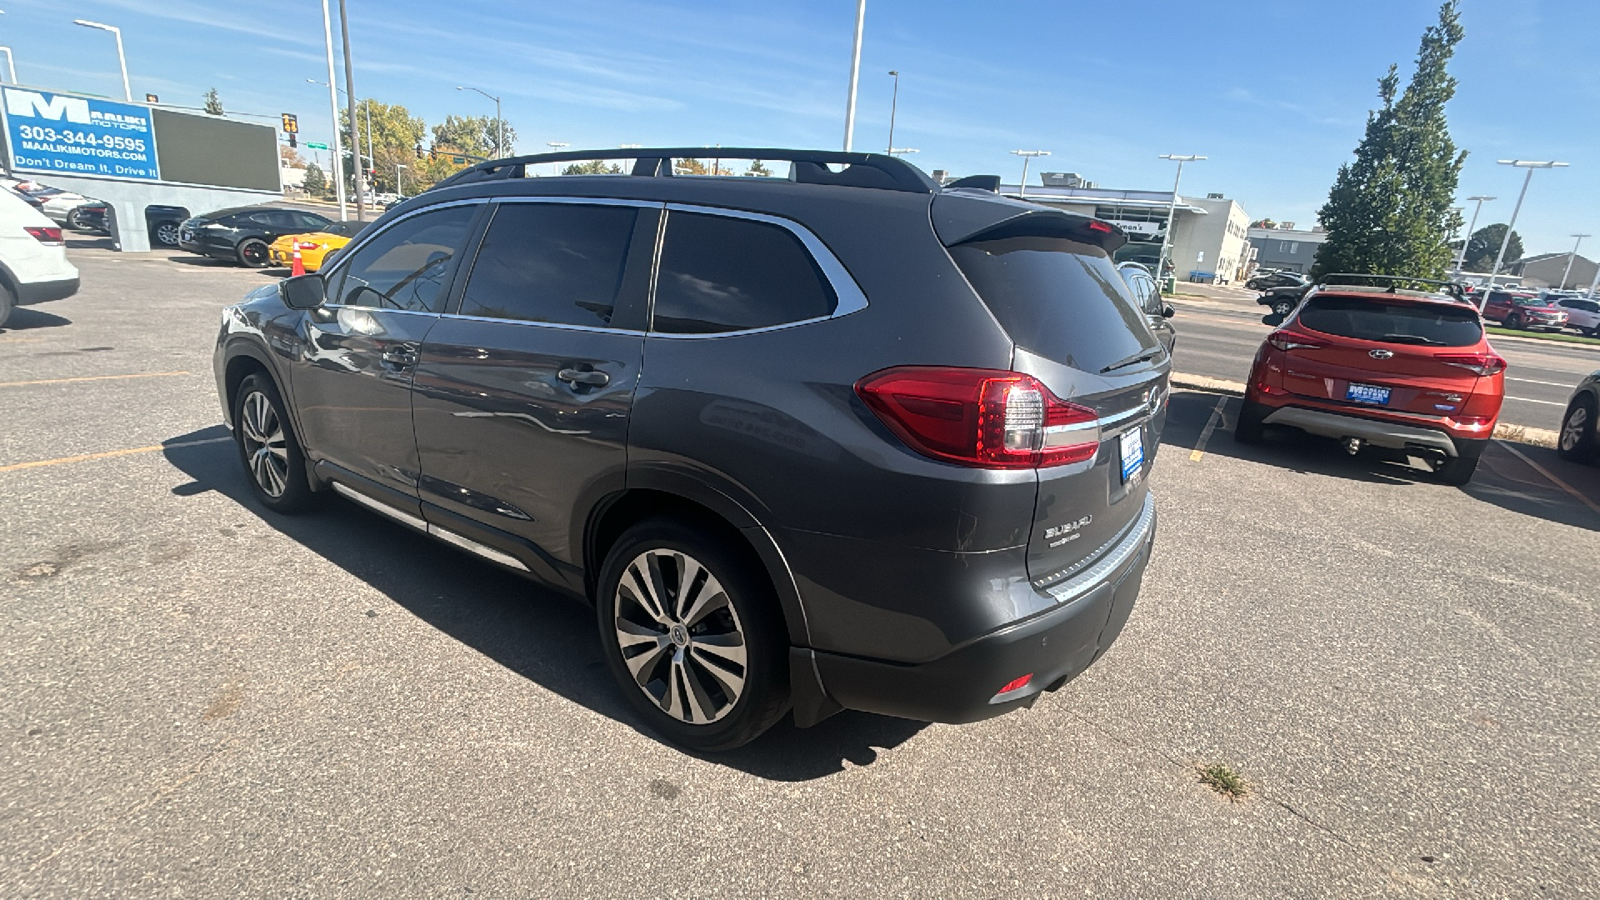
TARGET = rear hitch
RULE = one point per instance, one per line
(1352, 445)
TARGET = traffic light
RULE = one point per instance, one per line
(420, 154)
(291, 123)
(293, 140)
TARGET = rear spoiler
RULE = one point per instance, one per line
(959, 217)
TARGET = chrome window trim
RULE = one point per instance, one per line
(849, 296)
(600, 329)
(351, 249)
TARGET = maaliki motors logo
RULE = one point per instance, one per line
(27, 104)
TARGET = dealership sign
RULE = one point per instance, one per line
(52, 132)
(1139, 229)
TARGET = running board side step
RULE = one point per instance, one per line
(449, 537)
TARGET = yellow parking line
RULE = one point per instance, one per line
(6, 384)
(1205, 433)
(109, 454)
(1550, 476)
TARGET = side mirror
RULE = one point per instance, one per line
(303, 291)
(1272, 319)
(1167, 311)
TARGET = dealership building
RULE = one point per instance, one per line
(1287, 248)
(1209, 240)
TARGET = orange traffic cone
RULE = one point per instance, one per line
(298, 268)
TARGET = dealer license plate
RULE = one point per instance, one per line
(1367, 393)
(1132, 446)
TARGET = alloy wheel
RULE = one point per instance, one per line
(1573, 430)
(680, 636)
(254, 253)
(167, 234)
(266, 450)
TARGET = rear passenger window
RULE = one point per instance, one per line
(409, 265)
(551, 263)
(722, 274)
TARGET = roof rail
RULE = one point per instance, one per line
(1449, 287)
(874, 170)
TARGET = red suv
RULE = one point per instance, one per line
(1516, 309)
(1404, 370)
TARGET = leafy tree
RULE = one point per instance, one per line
(213, 102)
(592, 167)
(757, 170)
(690, 167)
(290, 157)
(316, 183)
(1484, 246)
(1389, 211)
(475, 135)
(395, 136)
(1263, 223)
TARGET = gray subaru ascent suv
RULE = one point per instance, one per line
(842, 440)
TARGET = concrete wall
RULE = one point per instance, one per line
(131, 197)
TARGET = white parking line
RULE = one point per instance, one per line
(1549, 476)
(1545, 402)
(1532, 381)
(1199, 450)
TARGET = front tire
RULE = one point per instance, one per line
(1283, 307)
(76, 222)
(253, 253)
(7, 304)
(1578, 440)
(692, 633)
(268, 447)
(1514, 321)
(166, 234)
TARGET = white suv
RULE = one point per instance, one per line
(33, 257)
(1583, 313)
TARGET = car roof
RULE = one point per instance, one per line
(1362, 290)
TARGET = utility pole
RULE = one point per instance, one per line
(1166, 235)
(1521, 164)
(894, 106)
(337, 151)
(1570, 257)
(1461, 258)
(350, 97)
(855, 76)
(1027, 157)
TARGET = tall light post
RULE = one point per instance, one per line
(900, 151)
(1595, 283)
(1172, 208)
(499, 122)
(11, 65)
(1530, 166)
(556, 147)
(399, 182)
(1461, 258)
(122, 60)
(350, 98)
(336, 153)
(1027, 157)
(367, 111)
(894, 106)
(855, 76)
(1570, 257)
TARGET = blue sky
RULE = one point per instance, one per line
(1275, 93)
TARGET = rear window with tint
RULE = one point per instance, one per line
(1393, 321)
(1057, 297)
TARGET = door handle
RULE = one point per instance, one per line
(400, 356)
(576, 377)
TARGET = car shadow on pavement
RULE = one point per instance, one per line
(537, 634)
(26, 318)
(1502, 479)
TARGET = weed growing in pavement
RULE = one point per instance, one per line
(1224, 781)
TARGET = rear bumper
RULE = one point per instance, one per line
(1373, 431)
(1054, 647)
(45, 291)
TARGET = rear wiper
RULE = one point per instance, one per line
(1141, 356)
(1409, 339)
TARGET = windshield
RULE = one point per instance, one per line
(1059, 298)
(1393, 321)
(1529, 301)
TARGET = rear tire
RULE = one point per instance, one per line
(1457, 470)
(705, 663)
(268, 447)
(1250, 429)
(1282, 307)
(166, 234)
(1578, 440)
(76, 221)
(7, 304)
(253, 253)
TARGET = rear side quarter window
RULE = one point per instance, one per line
(720, 274)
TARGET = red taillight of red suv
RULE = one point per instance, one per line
(1478, 363)
(1288, 340)
(985, 418)
(49, 236)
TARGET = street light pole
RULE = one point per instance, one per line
(399, 184)
(350, 99)
(894, 106)
(855, 76)
(499, 121)
(1461, 258)
(11, 64)
(1530, 166)
(336, 153)
(122, 59)
(1027, 157)
(556, 147)
(1172, 208)
(1570, 257)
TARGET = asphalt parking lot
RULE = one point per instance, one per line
(205, 699)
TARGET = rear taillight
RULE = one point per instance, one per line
(1479, 363)
(50, 235)
(981, 417)
(1288, 340)
(308, 245)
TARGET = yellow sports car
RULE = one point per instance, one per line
(314, 247)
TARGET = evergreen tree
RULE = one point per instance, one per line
(213, 102)
(757, 170)
(592, 167)
(1389, 211)
(316, 183)
(1484, 246)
